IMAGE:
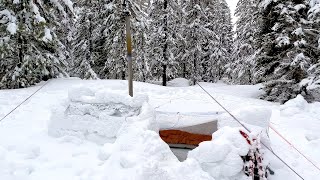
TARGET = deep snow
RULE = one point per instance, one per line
(28, 152)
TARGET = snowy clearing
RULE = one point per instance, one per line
(27, 151)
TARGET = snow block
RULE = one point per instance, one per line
(96, 115)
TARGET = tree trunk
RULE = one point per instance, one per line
(184, 70)
(165, 48)
(164, 75)
(89, 56)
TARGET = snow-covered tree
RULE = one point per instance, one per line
(82, 41)
(30, 48)
(208, 37)
(163, 43)
(64, 30)
(140, 55)
(194, 36)
(311, 84)
(219, 23)
(286, 50)
(110, 59)
(240, 69)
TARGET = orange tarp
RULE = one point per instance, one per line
(181, 137)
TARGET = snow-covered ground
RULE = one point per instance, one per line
(27, 151)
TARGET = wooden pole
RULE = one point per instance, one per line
(129, 53)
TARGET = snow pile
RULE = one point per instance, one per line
(221, 157)
(294, 106)
(179, 82)
(300, 108)
(96, 115)
(251, 115)
(139, 154)
(311, 85)
(255, 118)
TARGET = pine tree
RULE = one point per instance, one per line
(311, 85)
(110, 59)
(208, 39)
(64, 30)
(194, 36)
(219, 16)
(285, 53)
(163, 43)
(28, 28)
(226, 30)
(240, 69)
(83, 46)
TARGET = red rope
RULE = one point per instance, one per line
(287, 141)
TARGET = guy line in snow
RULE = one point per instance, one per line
(25, 100)
(291, 145)
(248, 130)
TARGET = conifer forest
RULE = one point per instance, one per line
(273, 42)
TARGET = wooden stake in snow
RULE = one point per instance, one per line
(129, 49)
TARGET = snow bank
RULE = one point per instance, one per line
(96, 115)
(221, 157)
(253, 115)
(179, 82)
(255, 118)
(301, 108)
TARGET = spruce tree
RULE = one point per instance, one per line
(285, 54)
(208, 39)
(219, 23)
(163, 43)
(110, 59)
(240, 69)
(82, 41)
(194, 36)
(30, 48)
(311, 85)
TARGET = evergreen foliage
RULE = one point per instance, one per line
(240, 69)
(163, 44)
(286, 49)
(29, 46)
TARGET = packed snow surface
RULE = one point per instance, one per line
(28, 150)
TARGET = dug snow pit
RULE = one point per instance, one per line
(95, 115)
